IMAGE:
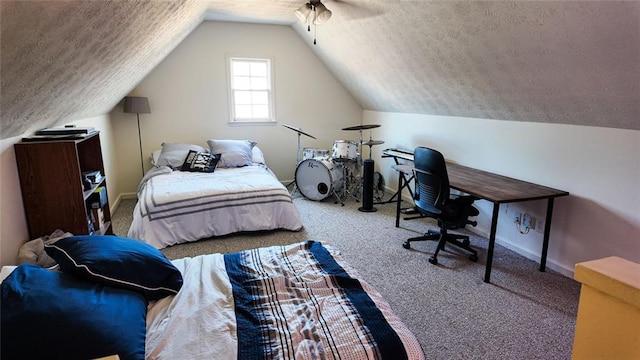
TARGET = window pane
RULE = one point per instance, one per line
(261, 111)
(241, 68)
(243, 97)
(242, 83)
(259, 84)
(243, 111)
(258, 69)
(259, 97)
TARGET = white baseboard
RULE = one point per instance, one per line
(560, 268)
(113, 207)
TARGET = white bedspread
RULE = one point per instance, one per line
(300, 301)
(177, 206)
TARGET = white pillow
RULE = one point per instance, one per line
(257, 157)
(155, 156)
(235, 153)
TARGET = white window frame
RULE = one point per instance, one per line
(236, 116)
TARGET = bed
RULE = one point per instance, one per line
(299, 301)
(239, 193)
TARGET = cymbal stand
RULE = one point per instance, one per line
(295, 186)
(298, 151)
(370, 144)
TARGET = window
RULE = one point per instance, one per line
(251, 89)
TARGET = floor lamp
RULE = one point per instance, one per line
(137, 105)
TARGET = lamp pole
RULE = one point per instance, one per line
(140, 142)
(137, 105)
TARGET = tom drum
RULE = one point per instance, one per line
(344, 150)
(309, 153)
(318, 178)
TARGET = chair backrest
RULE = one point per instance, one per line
(432, 180)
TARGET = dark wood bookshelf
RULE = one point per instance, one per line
(51, 179)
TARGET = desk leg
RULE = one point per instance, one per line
(492, 242)
(399, 199)
(547, 231)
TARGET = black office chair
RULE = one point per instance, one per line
(432, 199)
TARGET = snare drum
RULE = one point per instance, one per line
(318, 178)
(309, 153)
(344, 150)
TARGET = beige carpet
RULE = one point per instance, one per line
(522, 314)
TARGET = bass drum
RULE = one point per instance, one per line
(318, 178)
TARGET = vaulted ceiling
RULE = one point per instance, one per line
(569, 62)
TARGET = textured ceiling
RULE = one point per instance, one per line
(68, 60)
(570, 62)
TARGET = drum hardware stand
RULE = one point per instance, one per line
(300, 132)
(346, 192)
(367, 188)
(359, 185)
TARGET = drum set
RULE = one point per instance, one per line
(338, 172)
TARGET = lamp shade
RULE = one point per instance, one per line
(322, 14)
(304, 12)
(136, 105)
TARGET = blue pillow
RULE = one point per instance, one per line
(119, 262)
(52, 315)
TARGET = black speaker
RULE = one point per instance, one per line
(367, 187)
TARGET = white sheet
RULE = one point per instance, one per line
(6, 271)
(198, 322)
(179, 206)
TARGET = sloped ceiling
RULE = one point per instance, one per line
(69, 60)
(568, 62)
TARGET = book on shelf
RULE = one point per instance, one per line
(97, 217)
(99, 197)
(94, 176)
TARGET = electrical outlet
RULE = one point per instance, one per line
(526, 219)
(518, 219)
(540, 225)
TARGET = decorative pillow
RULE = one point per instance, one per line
(173, 155)
(200, 162)
(51, 315)
(119, 262)
(235, 153)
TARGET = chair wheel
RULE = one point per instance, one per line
(473, 258)
(433, 260)
(406, 245)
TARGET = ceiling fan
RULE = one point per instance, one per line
(314, 12)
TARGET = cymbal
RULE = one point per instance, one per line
(298, 130)
(373, 142)
(361, 127)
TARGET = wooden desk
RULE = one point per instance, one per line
(500, 189)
